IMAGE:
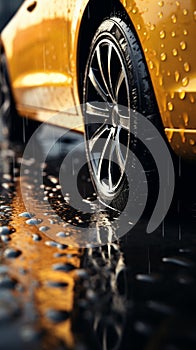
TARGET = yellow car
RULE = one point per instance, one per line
(140, 54)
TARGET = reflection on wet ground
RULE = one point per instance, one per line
(137, 292)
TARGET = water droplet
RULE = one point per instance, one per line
(134, 11)
(194, 15)
(192, 142)
(6, 185)
(177, 76)
(181, 261)
(26, 215)
(57, 316)
(4, 207)
(152, 27)
(36, 237)
(163, 56)
(138, 26)
(51, 243)
(56, 284)
(170, 135)
(186, 118)
(192, 99)
(161, 81)
(7, 177)
(62, 246)
(185, 32)
(5, 230)
(33, 221)
(185, 12)
(182, 95)
(63, 267)
(61, 234)
(44, 228)
(147, 278)
(161, 3)
(172, 95)
(12, 253)
(185, 81)
(174, 18)
(52, 222)
(183, 45)
(162, 34)
(186, 67)
(173, 34)
(53, 179)
(5, 239)
(81, 273)
(170, 106)
(182, 136)
(175, 52)
(177, 3)
(160, 14)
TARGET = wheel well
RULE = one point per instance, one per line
(96, 11)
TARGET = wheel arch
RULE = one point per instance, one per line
(95, 12)
(90, 21)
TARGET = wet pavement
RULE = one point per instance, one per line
(136, 292)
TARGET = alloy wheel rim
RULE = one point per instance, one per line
(107, 116)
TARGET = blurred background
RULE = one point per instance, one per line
(7, 10)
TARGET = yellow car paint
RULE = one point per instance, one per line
(41, 50)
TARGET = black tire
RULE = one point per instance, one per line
(15, 128)
(115, 58)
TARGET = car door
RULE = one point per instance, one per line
(24, 50)
(56, 38)
(39, 56)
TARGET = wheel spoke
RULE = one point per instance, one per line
(97, 109)
(112, 149)
(124, 117)
(109, 68)
(103, 153)
(97, 85)
(102, 73)
(125, 122)
(120, 158)
(97, 134)
(121, 77)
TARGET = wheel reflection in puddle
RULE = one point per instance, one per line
(56, 189)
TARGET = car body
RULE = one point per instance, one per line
(44, 41)
(61, 54)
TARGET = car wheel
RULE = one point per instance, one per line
(116, 82)
(15, 127)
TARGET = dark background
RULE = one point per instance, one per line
(7, 10)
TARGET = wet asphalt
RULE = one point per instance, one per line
(136, 292)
